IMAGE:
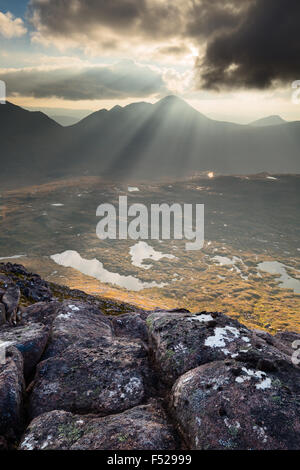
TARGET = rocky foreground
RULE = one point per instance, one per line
(80, 372)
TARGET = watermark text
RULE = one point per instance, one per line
(161, 222)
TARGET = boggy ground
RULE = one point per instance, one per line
(253, 219)
(81, 372)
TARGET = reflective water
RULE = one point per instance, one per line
(274, 267)
(141, 251)
(94, 268)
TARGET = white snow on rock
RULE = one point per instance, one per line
(264, 381)
(64, 316)
(221, 336)
(204, 317)
(74, 308)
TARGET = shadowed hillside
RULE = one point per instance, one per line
(141, 140)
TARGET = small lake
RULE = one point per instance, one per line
(286, 281)
(94, 268)
(141, 251)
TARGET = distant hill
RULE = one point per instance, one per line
(268, 121)
(141, 140)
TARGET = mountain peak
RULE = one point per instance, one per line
(176, 105)
(172, 100)
(273, 120)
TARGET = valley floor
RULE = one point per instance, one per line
(251, 227)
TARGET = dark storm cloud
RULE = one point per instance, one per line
(263, 47)
(205, 18)
(123, 80)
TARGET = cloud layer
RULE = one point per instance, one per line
(10, 26)
(241, 43)
(104, 26)
(122, 80)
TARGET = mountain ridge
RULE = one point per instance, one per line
(141, 140)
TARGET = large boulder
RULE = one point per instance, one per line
(30, 340)
(78, 324)
(141, 428)
(11, 395)
(230, 405)
(100, 380)
(182, 341)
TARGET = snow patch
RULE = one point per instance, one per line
(28, 443)
(201, 318)
(221, 336)
(74, 308)
(264, 381)
(64, 316)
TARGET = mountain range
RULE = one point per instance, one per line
(167, 139)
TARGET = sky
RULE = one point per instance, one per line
(233, 60)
